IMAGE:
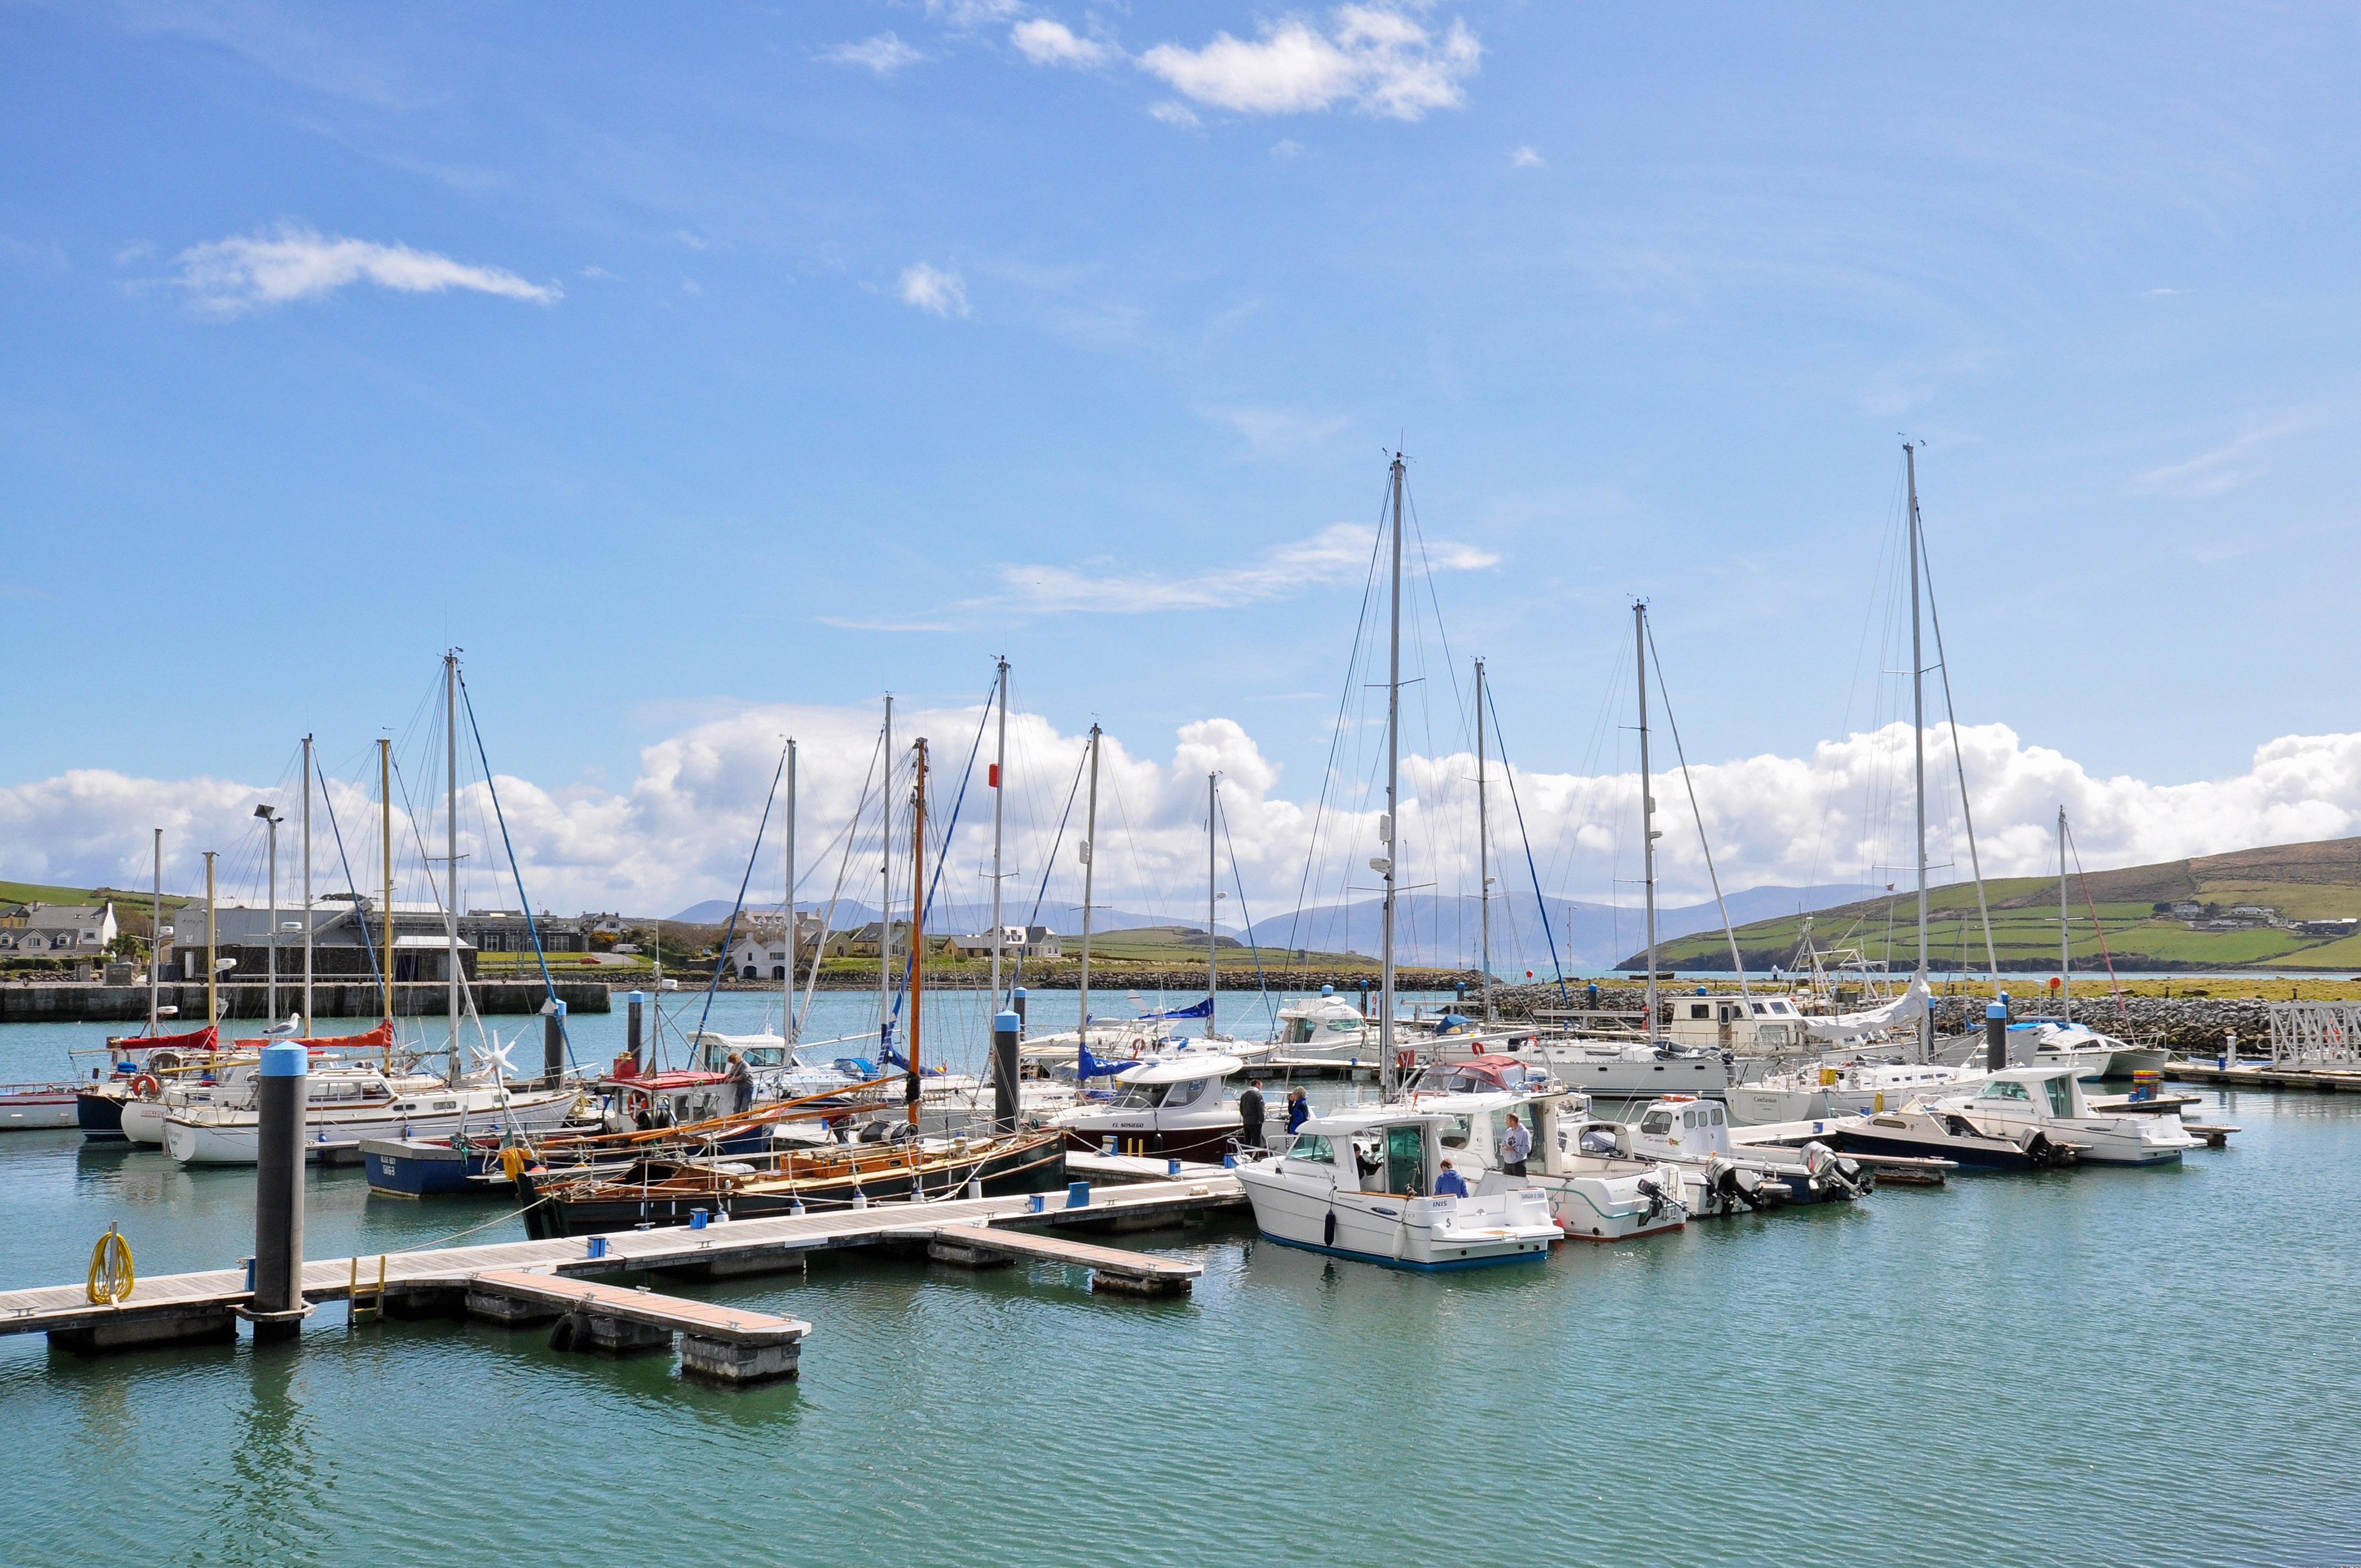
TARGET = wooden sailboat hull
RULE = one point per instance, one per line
(1035, 1162)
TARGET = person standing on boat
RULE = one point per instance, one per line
(1250, 1116)
(1299, 1110)
(742, 1084)
(1516, 1147)
(1450, 1183)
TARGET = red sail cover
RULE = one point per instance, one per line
(378, 1039)
(205, 1039)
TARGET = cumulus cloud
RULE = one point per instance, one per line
(1374, 58)
(680, 831)
(1339, 552)
(229, 277)
(1046, 41)
(933, 289)
(1526, 158)
(884, 54)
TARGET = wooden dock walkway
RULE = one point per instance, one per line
(1112, 1269)
(182, 1306)
(728, 1343)
(2263, 1075)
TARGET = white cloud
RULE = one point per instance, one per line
(230, 276)
(933, 289)
(680, 830)
(2241, 459)
(1338, 552)
(1287, 147)
(968, 15)
(1174, 113)
(884, 54)
(1526, 158)
(1046, 41)
(1373, 57)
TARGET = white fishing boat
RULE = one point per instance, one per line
(1169, 1108)
(2025, 1101)
(1851, 1087)
(32, 1107)
(1719, 1174)
(2091, 1053)
(1360, 1184)
(1629, 1068)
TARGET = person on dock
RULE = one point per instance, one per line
(1516, 1147)
(1450, 1183)
(1299, 1110)
(1250, 1116)
(742, 1084)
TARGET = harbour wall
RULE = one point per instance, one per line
(69, 1002)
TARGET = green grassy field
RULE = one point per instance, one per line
(2302, 881)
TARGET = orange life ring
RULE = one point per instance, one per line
(146, 1084)
(1406, 1057)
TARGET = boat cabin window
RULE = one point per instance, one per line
(1406, 1160)
(2061, 1097)
(1313, 1148)
(1457, 1131)
(1656, 1124)
(1185, 1093)
(2004, 1090)
(1131, 1100)
(1700, 1010)
(1717, 1115)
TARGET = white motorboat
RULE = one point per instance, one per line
(1606, 1068)
(2092, 1054)
(1719, 1174)
(1592, 1198)
(1359, 1183)
(2025, 1102)
(364, 1083)
(1852, 1087)
(1170, 1107)
(225, 1134)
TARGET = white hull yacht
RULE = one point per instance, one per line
(2048, 1102)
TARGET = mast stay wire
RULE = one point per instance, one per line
(1696, 814)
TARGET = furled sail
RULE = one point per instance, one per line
(1906, 1008)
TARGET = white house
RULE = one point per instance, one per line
(57, 930)
(760, 951)
(1016, 941)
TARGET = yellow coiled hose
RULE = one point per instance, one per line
(111, 1275)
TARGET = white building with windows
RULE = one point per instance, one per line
(57, 930)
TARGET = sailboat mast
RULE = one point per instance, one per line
(1648, 834)
(885, 895)
(1919, 739)
(212, 950)
(1388, 828)
(918, 917)
(1213, 900)
(2065, 941)
(307, 886)
(385, 848)
(1483, 859)
(156, 934)
(1090, 838)
(787, 908)
(451, 847)
(999, 795)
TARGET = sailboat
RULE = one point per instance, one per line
(381, 1104)
(1361, 1183)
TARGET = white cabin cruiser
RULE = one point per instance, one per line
(1359, 1183)
(2022, 1101)
(1593, 1199)
(1608, 1068)
(356, 1083)
(2094, 1054)
(1169, 1108)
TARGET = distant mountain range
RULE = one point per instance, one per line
(1432, 928)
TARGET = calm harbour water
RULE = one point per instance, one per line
(2091, 1367)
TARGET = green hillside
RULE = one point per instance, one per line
(2296, 882)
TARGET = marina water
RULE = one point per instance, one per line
(2096, 1367)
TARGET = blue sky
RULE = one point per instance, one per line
(678, 360)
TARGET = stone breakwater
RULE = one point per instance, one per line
(2188, 1024)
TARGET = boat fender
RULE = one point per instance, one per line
(563, 1333)
(514, 1160)
(1328, 1230)
(146, 1084)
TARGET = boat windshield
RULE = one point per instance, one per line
(2061, 1097)
(2004, 1089)
(1311, 1149)
(1656, 1124)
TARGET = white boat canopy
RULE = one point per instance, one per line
(1178, 1070)
(1906, 1008)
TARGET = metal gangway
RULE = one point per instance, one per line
(2315, 1034)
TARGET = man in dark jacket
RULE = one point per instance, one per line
(1250, 1116)
(741, 1084)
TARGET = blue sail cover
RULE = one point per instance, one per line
(1202, 1010)
(1087, 1067)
